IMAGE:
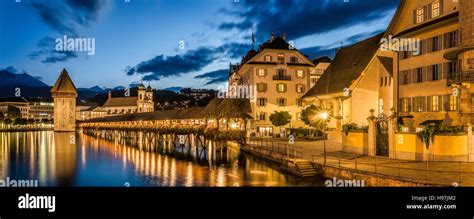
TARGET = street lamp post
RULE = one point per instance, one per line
(324, 116)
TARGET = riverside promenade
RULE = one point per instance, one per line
(381, 171)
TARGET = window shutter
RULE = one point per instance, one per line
(441, 7)
(425, 13)
(414, 16)
(265, 87)
(429, 73)
(440, 103)
(285, 88)
(430, 11)
(446, 102)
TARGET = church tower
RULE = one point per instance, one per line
(141, 100)
(64, 94)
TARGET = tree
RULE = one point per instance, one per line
(309, 116)
(280, 119)
(1, 115)
(13, 112)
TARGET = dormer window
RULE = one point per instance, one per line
(281, 58)
(268, 58)
(294, 59)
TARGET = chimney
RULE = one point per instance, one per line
(284, 36)
(272, 37)
(110, 94)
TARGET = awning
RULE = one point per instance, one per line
(431, 122)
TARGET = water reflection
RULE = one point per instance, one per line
(70, 159)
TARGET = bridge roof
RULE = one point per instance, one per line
(217, 108)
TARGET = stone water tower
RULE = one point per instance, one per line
(64, 93)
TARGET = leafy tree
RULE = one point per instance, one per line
(7, 121)
(280, 118)
(13, 112)
(1, 115)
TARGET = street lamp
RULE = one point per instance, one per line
(324, 117)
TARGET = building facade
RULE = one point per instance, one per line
(320, 65)
(434, 83)
(281, 75)
(143, 102)
(358, 80)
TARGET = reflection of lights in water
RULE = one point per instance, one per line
(189, 175)
(232, 175)
(173, 173)
(221, 179)
(260, 172)
(165, 171)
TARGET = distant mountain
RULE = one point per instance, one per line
(24, 79)
(96, 89)
(174, 89)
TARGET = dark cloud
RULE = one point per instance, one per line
(66, 16)
(162, 66)
(303, 17)
(215, 77)
(46, 49)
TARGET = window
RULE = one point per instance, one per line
(435, 103)
(300, 88)
(281, 58)
(419, 104)
(419, 75)
(261, 87)
(281, 88)
(451, 39)
(299, 102)
(419, 15)
(406, 79)
(281, 102)
(435, 10)
(299, 73)
(405, 105)
(313, 80)
(453, 103)
(294, 59)
(261, 116)
(262, 101)
(435, 72)
(268, 58)
(435, 44)
(281, 72)
(261, 72)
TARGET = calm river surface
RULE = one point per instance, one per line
(57, 159)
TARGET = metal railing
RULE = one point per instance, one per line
(281, 77)
(446, 173)
(281, 150)
(460, 77)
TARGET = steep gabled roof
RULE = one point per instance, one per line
(323, 59)
(64, 84)
(120, 101)
(346, 67)
(387, 63)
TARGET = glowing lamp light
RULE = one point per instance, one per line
(324, 115)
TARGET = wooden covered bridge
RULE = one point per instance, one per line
(221, 120)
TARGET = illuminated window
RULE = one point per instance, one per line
(281, 88)
(435, 9)
(419, 15)
(453, 103)
(299, 73)
(268, 58)
(300, 88)
(261, 72)
(435, 103)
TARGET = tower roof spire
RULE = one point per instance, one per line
(64, 84)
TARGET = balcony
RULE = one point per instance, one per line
(281, 77)
(461, 77)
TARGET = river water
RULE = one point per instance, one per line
(65, 159)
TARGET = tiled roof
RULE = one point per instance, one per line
(64, 84)
(277, 43)
(387, 63)
(120, 101)
(346, 67)
(323, 59)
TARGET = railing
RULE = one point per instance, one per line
(434, 172)
(460, 77)
(281, 77)
(281, 150)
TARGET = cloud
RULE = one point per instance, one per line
(162, 66)
(303, 17)
(46, 49)
(215, 77)
(66, 18)
(10, 69)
